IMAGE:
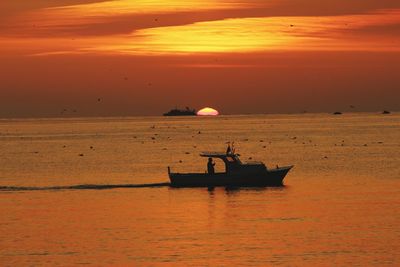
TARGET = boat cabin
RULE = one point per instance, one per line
(233, 164)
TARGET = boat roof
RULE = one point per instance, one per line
(223, 156)
(253, 162)
(215, 154)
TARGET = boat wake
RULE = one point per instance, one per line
(81, 187)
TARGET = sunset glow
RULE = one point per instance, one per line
(232, 35)
(200, 132)
(259, 34)
(174, 49)
(107, 8)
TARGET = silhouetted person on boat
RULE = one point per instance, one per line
(229, 149)
(210, 166)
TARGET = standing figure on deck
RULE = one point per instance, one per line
(229, 149)
(233, 148)
(210, 166)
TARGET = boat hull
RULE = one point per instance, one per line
(273, 177)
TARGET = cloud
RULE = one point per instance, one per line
(96, 18)
(116, 17)
(12, 7)
(350, 32)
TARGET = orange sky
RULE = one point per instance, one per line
(142, 57)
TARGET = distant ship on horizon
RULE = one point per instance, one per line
(181, 112)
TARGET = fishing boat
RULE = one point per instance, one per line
(181, 112)
(236, 174)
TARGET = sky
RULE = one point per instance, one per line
(144, 57)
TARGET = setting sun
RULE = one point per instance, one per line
(207, 112)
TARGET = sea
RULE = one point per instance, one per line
(94, 191)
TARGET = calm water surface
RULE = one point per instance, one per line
(340, 205)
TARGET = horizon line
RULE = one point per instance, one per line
(376, 112)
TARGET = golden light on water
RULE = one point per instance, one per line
(208, 112)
